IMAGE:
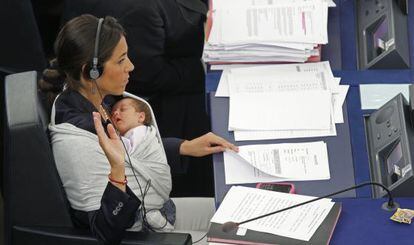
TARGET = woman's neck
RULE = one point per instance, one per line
(95, 98)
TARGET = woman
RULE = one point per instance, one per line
(166, 39)
(99, 193)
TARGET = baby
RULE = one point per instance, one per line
(132, 118)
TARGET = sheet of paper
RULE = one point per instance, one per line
(338, 97)
(239, 171)
(298, 160)
(245, 135)
(283, 110)
(373, 96)
(223, 85)
(219, 4)
(337, 117)
(282, 82)
(287, 72)
(242, 203)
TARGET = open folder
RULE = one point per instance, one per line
(322, 235)
(312, 223)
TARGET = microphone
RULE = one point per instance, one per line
(388, 206)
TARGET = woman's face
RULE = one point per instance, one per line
(116, 70)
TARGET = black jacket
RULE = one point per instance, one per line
(118, 209)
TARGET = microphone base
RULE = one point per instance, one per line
(390, 208)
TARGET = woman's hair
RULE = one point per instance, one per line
(74, 48)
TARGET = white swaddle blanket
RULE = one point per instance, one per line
(84, 168)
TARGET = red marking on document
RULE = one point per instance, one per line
(303, 22)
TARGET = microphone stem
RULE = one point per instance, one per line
(390, 200)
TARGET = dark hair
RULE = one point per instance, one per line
(74, 48)
(142, 107)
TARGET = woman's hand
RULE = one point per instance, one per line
(205, 145)
(112, 145)
(113, 148)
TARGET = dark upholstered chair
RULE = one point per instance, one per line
(36, 208)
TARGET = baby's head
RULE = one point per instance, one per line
(129, 113)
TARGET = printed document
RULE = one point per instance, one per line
(287, 22)
(259, 80)
(289, 71)
(277, 162)
(243, 203)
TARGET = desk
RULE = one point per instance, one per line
(339, 153)
(362, 221)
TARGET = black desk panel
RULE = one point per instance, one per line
(339, 154)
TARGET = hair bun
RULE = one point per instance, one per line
(53, 78)
(53, 64)
(52, 81)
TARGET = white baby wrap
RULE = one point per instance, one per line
(84, 168)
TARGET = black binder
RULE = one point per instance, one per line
(322, 235)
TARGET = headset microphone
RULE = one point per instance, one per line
(94, 72)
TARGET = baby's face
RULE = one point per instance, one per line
(124, 116)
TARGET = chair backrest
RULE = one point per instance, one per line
(34, 195)
(36, 207)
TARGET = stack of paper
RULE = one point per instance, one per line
(282, 101)
(266, 30)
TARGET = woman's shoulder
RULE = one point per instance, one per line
(71, 107)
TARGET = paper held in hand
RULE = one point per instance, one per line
(277, 162)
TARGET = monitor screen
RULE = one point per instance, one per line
(394, 160)
(380, 36)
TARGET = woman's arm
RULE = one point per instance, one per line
(116, 214)
(177, 149)
(205, 145)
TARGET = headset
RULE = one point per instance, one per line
(96, 70)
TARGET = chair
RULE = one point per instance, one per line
(36, 207)
(22, 50)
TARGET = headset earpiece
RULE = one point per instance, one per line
(95, 72)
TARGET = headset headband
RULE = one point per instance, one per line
(95, 54)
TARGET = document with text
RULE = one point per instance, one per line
(288, 22)
(277, 162)
(242, 203)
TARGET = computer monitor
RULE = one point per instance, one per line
(382, 35)
(390, 141)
